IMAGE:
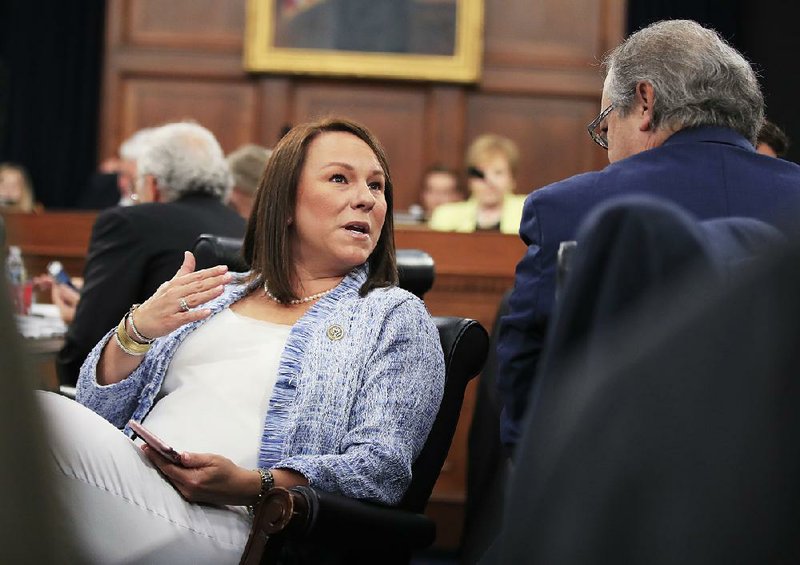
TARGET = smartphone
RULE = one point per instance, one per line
(155, 442)
(56, 270)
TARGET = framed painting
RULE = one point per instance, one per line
(434, 40)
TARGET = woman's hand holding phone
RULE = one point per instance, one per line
(200, 477)
(153, 441)
(207, 477)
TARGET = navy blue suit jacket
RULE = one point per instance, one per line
(709, 171)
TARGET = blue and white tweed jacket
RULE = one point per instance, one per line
(359, 385)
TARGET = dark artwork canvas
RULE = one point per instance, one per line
(420, 27)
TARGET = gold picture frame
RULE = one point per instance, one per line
(311, 37)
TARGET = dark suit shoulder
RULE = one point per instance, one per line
(206, 210)
(579, 182)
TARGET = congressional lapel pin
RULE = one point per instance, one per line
(335, 332)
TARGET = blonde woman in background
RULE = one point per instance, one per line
(492, 166)
(16, 192)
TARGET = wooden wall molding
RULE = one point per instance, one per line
(175, 24)
(225, 107)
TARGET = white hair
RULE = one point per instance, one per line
(186, 158)
(134, 146)
(697, 77)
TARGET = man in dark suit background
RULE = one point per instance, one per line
(680, 113)
(182, 183)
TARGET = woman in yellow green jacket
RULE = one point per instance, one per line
(492, 164)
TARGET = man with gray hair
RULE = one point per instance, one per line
(680, 113)
(112, 184)
(182, 183)
(129, 152)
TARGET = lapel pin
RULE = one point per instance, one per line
(335, 332)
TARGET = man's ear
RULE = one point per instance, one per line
(645, 97)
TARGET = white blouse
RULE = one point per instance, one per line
(216, 391)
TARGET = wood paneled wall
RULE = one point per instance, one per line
(540, 86)
(541, 83)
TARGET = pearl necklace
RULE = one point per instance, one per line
(296, 301)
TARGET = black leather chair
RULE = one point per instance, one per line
(210, 250)
(305, 525)
(415, 267)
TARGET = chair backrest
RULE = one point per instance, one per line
(631, 247)
(415, 268)
(465, 344)
(210, 250)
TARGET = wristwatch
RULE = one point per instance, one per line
(267, 482)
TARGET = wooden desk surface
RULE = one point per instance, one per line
(473, 270)
(481, 254)
(62, 236)
(65, 234)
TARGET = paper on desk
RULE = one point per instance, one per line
(45, 310)
(43, 321)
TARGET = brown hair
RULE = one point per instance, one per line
(267, 244)
(440, 169)
(770, 134)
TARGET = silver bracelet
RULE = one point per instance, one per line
(139, 336)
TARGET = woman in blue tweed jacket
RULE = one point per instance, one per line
(354, 369)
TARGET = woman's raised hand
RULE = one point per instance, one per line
(174, 303)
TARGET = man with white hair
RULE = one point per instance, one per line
(182, 181)
(680, 113)
(112, 184)
(129, 152)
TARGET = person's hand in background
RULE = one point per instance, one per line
(66, 298)
(43, 283)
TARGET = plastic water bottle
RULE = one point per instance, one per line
(17, 278)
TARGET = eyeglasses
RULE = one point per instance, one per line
(601, 137)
